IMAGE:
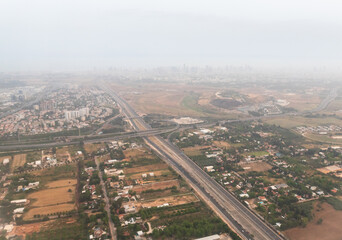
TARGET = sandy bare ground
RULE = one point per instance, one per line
(156, 185)
(137, 153)
(172, 200)
(330, 229)
(256, 166)
(28, 229)
(23, 230)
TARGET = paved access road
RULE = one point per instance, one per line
(107, 207)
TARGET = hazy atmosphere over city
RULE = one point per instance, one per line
(170, 120)
(69, 35)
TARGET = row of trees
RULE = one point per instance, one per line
(197, 228)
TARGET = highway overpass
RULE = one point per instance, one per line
(85, 139)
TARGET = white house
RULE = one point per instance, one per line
(19, 201)
(33, 184)
(209, 168)
(244, 195)
(8, 227)
(5, 161)
(111, 161)
(18, 210)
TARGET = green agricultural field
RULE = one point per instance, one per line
(256, 154)
(193, 151)
(190, 102)
(202, 160)
(33, 156)
(56, 173)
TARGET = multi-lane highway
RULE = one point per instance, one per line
(100, 138)
(326, 101)
(245, 222)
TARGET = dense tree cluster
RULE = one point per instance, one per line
(187, 230)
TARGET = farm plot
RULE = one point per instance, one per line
(256, 154)
(58, 197)
(137, 153)
(146, 168)
(19, 160)
(256, 166)
(171, 200)
(48, 210)
(194, 151)
(103, 158)
(156, 186)
(274, 180)
(221, 144)
(51, 196)
(62, 183)
(33, 156)
(56, 173)
(158, 173)
(63, 154)
(89, 148)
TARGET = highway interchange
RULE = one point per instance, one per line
(245, 222)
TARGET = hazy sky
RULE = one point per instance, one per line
(81, 34)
